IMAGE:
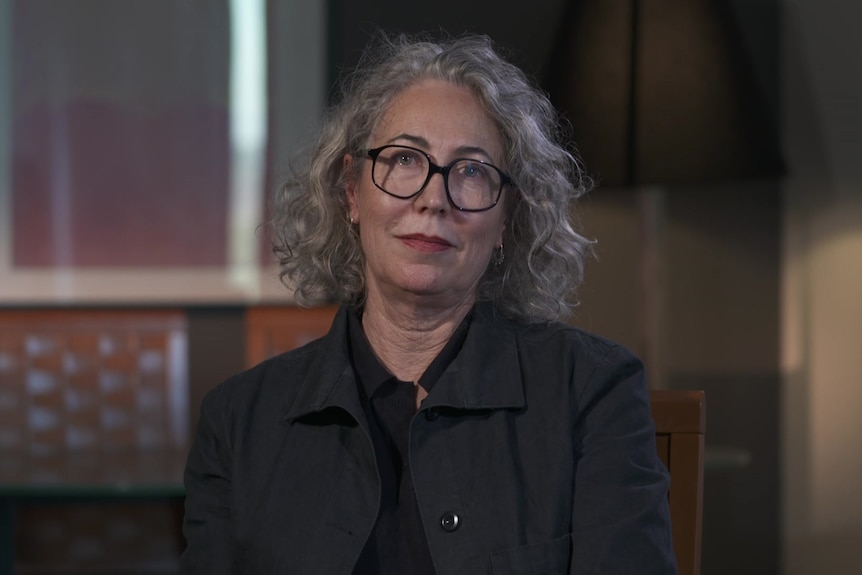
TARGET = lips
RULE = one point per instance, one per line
(423, 243)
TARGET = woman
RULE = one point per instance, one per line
(447, 423)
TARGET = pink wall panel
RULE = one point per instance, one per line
(100, 184)
(120, 135)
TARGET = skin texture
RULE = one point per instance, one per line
(424, 258)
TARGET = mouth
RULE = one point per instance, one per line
(423, 243)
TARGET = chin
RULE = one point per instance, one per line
(439, 289)
(425, 282)
(423, 288)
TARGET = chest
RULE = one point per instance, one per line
(484, 480)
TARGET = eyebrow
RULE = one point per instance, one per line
(423, 143)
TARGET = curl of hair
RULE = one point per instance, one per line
(319, 252)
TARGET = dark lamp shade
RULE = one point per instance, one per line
(663, 92)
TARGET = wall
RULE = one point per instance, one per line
(720, 333)
(822, 288)
(764, 307)
(718, 251)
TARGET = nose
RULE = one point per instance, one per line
(433, 196)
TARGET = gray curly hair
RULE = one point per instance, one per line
(320, 255)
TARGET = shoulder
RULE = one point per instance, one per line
(581, 362)
(560, 340)
(275, 382)
(271, 384)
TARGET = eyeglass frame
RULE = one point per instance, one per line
(505, 179)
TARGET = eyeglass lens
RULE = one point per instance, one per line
(403, 172)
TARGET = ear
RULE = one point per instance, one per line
(350, 188)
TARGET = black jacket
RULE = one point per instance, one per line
(534, 453)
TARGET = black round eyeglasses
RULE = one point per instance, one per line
(403, 172)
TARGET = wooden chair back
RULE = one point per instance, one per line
(680, 424)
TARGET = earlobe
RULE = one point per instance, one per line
(352, 208)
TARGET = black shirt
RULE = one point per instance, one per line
(397, 544)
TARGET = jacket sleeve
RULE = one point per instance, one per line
(620, 516)
(206, 525)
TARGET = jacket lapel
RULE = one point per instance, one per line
(330, 380)
(486, 373)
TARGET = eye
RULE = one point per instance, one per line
(406, 158)
(473, 170)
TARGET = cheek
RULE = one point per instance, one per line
(495, 233)
(486, 241)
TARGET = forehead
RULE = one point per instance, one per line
(443, 115)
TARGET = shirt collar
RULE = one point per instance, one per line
(485, 374)
(371, 373)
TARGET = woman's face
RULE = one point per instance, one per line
(423, 246)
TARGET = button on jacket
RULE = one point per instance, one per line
(533, 453)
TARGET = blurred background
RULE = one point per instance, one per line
(140, 142)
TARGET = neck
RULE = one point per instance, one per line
(407, 337)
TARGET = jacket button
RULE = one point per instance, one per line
(450, 522)
(432, 414)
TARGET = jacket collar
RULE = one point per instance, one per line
(329, 381)
(484, 375)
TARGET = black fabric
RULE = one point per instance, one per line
(538, 439)
(397, 544)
